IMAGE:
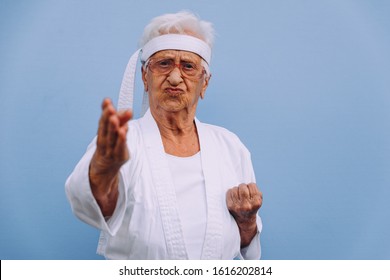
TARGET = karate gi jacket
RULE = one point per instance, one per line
(146, 223)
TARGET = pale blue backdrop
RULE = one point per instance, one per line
(305, 84)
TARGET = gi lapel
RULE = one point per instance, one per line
(164, 187)
(212, 247)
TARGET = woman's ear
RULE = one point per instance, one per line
(205, 85)
(144, 79)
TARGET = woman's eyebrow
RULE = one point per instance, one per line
(172, 55)
(187, 58)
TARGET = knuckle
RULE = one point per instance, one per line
(258, 202)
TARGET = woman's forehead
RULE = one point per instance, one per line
(176, 53)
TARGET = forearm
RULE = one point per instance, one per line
(248, 230)
(104, 187)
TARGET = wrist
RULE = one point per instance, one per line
(103, 181)
(246, 222)
(247, 234)
(100, 166)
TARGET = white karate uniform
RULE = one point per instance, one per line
(190, 189)
(146, 223)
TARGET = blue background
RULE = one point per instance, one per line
(305, 84)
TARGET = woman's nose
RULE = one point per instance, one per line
(175, 76)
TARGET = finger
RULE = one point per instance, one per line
(232, 196)
(253, 190)
(121, 136)
(124, 117)
(113, 125)
(107, 111)
(103, 126)
(243, 192)
(122, 133)
(257, 195)
(121, 150)
(106, 102)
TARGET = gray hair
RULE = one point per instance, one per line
(183, 22)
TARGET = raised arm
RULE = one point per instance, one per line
(111, 153)
(243, 202)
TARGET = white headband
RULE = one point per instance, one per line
(177, 42)
(163, 42)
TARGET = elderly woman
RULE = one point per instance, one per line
(167, 186)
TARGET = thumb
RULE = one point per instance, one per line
(125, 116)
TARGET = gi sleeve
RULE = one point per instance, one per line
(82, 201)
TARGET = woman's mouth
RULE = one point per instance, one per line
(173, 91)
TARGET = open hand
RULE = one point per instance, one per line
(111, 151)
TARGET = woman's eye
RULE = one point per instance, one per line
(188, 66)
(164, 63)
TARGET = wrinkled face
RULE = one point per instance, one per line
(178, 89)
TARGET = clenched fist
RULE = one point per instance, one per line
(243, 202)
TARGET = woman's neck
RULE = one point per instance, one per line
(178, 132)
